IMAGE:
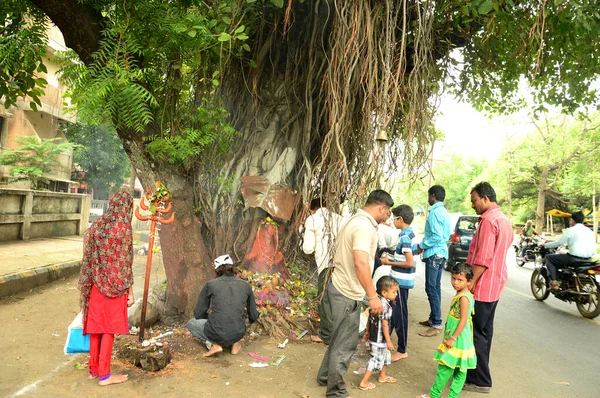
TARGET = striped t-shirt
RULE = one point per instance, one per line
(404, 276)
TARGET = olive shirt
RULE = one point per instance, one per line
(359, 233)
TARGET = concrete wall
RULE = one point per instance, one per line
(26, 214)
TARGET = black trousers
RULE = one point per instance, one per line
(483, 331)
(560, 260)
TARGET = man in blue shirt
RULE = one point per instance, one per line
(435, 253)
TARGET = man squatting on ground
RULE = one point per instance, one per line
(350, 281)
(227, 296)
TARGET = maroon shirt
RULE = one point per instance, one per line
(488, 249)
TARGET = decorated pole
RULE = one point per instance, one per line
(158, 204)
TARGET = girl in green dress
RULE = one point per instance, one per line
(456, 354)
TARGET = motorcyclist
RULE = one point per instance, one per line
(581, 243)
(527, 232)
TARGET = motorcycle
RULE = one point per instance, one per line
(580, 284)
(532, 251)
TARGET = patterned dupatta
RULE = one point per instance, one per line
(108, 252)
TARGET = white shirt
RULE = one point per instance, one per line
(320, 231)
(580, 240)
(387, 237)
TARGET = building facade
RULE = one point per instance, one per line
(21, 120)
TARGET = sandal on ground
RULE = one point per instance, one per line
(388, 379)
(431, 332)
(369, 386)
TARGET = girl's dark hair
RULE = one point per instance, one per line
(385, 283)
(225, 269)
(463, 268)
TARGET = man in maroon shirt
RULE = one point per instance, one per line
(487, 256)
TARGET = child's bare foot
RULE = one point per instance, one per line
(235, 348)
(113, 379)
(91, 376)
(215, 349)
(398, 356)
(315, 339)
(424, 396)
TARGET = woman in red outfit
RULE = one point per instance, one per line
(106, 284)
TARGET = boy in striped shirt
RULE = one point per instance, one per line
(403, 270)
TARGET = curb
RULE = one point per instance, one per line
(28, 279)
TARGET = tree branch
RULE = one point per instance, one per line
(80, 24)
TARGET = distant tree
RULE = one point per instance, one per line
(552, 165)
(100, 155)
(34, 158)
(456, 175)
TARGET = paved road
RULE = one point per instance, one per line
(541, 349)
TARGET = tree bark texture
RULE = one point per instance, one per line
(540, 210)
(80, 25)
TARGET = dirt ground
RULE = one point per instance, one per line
(33, 333)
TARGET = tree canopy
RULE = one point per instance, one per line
(204, 92)
(553, 166)
(100, 157)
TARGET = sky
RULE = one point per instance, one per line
(470, 133)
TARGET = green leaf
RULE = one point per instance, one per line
(215, 82)
(224, 36)
(226, 19)
(243, 36)
(246, 47)
(250, 1)
(79, 366)
(33, 106)
(486, 7)
(179, 28)
(277, 3)
(192, 33)
(253, 63)
(240, 29)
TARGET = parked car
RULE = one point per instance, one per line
(460, 240)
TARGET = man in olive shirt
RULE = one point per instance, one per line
(351, 280)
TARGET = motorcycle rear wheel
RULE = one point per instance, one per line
(589, 306)
(538, 285)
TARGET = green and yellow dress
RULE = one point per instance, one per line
(462, 354)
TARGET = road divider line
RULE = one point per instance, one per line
(31, 387)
